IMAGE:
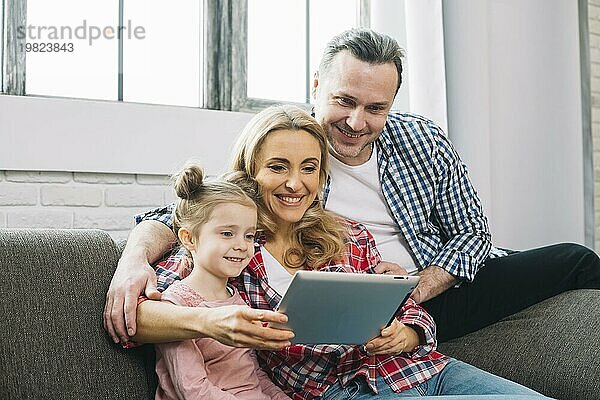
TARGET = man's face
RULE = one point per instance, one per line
(352, 99)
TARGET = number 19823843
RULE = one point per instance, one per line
(48, 47)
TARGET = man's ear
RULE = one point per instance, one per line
(186, 238)
(315, 84)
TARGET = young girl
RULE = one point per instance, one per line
(216, 222)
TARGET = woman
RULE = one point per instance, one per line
(285, 150)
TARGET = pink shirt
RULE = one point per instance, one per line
(204, 368)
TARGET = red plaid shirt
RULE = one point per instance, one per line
(306, 371)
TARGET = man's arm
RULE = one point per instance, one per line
(462, 224)
(238, 326)
(434, 281)
(147, 242)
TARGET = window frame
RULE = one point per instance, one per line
(239, 95)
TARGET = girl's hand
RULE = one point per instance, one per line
(394, 339)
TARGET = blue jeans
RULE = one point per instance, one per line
(458, 380)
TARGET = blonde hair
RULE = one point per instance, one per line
(318, 236)
(197, 198)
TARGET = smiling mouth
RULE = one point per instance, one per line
(289, 200)
(348, 134)
(234, 259)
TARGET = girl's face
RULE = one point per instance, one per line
(226, 241)
(287, 171)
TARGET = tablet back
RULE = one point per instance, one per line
(342, 308)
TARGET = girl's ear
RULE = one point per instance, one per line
(186, 238)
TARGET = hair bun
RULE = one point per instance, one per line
(247, 183)
(188, 182)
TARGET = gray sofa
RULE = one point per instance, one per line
(54, 346)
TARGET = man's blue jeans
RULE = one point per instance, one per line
(458, 380)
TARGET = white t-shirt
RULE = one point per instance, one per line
(279, 278)
(355, 193)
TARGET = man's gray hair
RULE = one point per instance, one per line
(366, 45)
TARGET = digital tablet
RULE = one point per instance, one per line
(342, 308)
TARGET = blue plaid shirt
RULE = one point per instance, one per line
(429, 194)
(427, 189)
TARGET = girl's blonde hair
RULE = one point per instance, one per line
(318, 236)
(198, 198)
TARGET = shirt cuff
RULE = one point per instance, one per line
(457, 264)
(430, 345)
(161, 214)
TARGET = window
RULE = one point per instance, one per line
(298, 31)
(165, 67)
(212, 54)
(130, 50)
(280, 25)
(87, 65)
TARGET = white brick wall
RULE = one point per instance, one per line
(594, 27)
(36, 177)
(65, 195)
(31, 217)
(88, 177)
(14, 194)
(153, 180)
(79, 200)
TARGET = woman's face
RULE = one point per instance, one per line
(288, 165)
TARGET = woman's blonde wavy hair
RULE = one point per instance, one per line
(318, 236)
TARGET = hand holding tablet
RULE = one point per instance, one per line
(342, 308)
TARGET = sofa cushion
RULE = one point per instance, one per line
(552, 347)
(53, 343)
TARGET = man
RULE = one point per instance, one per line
(400, 176)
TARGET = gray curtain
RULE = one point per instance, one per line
(586, 106)
(13, 81)
(225, 50)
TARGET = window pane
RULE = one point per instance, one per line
(164, 67)
(277, 50)
(87, 65)
(327, 19)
